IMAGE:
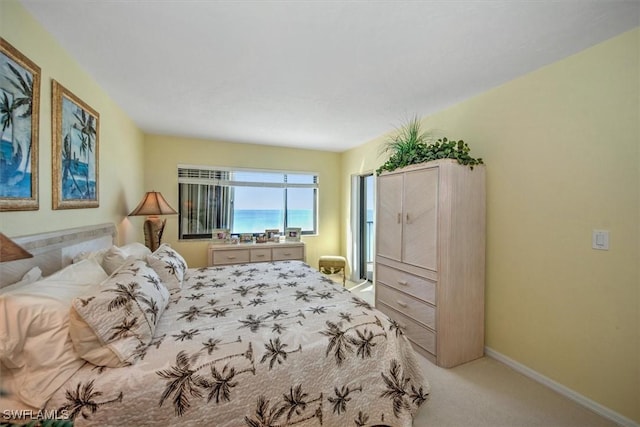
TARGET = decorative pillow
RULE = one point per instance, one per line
(114, 324)
(34, 331)
(113, 259)
(169, 265)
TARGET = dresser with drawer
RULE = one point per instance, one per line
(242, 253)
(429, 271)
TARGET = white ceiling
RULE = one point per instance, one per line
(326, 75)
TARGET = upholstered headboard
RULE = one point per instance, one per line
(56, 249)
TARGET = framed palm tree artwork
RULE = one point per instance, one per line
(19, 119)
(76, 134)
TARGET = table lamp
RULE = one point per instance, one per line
(153, 205)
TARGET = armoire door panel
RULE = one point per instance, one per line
(389, 237)
(420, 218)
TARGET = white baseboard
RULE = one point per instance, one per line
(563, 390)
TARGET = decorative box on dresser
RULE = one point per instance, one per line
(430, 257)
(242, 253)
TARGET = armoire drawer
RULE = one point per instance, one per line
(419, 287)
(419, 334)
(406, 304)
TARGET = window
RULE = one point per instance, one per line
(245, 201)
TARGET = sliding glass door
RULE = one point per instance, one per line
(363, 226)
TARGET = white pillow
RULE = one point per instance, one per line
(169, 265)
(29, 277)
(95, 317)
(97, 255)
(112, 258)
(34, 330)
(63, 285)
(136, 250)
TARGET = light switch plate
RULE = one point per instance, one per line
(600, 240)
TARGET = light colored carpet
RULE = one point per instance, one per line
(363, 290)
(487, 393)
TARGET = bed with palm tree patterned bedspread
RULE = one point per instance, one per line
(266, 344)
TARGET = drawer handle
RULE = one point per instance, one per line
(287, 253)
(402, 282)
(402, 304)
(260, 255)
(230, 257)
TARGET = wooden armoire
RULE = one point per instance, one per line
(430, 257)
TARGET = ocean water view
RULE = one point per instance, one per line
(258, 220)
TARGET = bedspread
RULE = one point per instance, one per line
(267, 344)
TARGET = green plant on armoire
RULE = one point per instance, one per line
(411, 145)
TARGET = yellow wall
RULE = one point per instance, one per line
(561, 146)
(164, 153)
(120, 145)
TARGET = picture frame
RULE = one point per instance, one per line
(292, 234)
(19, 140)
(273, 234)
(235, 239)
(76, 142)
(220, 235)
(246, 237)
(261, 238)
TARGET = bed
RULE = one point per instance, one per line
(262, 344)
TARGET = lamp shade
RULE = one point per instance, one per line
(11, 251)
(153, 204)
